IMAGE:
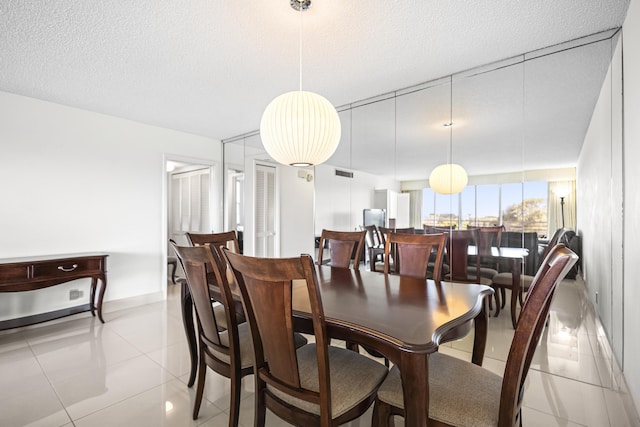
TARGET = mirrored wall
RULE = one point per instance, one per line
(517, 127)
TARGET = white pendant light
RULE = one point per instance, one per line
(300, 128)
(449, 178)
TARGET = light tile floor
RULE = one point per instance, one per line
(133, 369)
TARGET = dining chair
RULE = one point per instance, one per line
(384, 233)
(413, 254)
(344, 247)
(464, 394)
(316, 385)
(461, 268)
(227, 350)
(504, 280)
(375, 247)
(227, 239)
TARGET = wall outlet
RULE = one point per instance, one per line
(75, 294)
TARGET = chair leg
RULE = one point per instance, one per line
(202, 376)
(261, 409)
(381, 415)
(503, 295)
(234, 407)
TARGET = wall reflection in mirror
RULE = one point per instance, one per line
(518, 130)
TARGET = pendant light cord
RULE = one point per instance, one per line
(300, 47)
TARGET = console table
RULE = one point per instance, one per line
(32, 273)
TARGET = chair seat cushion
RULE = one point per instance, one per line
(353, 378)
(506, 279)
(246, 346)
(460, 393)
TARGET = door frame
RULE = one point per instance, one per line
(215, 200)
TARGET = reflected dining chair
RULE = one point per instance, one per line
(318, 384)
(226, 350)
(344, 247)
(487, 237)
(504, 280)
(375, 247)
(464, 394)
(384, 233)
(413, 253)
(461, 267)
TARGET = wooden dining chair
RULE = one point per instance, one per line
(227, 239)
(502, 281)
(461, 268)
(227, 350)
(375, 247)
(464, 394)
(318, 384)
(384, 233)
(413, 254)
(344, 247)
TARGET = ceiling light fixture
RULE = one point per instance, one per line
(449, 178)
(300, 128)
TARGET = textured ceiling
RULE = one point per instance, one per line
(210, 67)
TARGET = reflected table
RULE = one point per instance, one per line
(406, 319)
(516, 256)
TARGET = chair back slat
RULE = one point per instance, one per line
(529, 329)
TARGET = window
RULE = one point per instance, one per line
(519, 206)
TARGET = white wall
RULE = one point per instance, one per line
(77, 181)
(631, 52)
(339, 201)
(600, 209)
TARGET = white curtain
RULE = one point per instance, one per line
(415, 208)
(558, 189)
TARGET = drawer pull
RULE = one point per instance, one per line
(68, 269)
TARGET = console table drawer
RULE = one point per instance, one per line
(10, 274)
(60, 268)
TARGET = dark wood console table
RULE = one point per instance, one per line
(32, 273)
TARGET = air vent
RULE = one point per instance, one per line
(344, 173)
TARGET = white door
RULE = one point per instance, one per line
(190, 204)
(265, 214)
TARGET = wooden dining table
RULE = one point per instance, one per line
(405, 319)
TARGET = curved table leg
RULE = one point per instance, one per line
(515, 290)
(481, 323)
(414, 369)
(189, 329)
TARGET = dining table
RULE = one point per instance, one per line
(403, 318)
(515, 256)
